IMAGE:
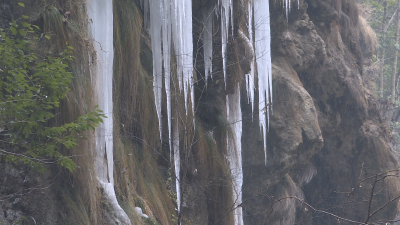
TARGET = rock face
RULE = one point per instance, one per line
(27, 197)
(326, 137)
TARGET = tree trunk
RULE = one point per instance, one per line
(393, 90)
(383, 49)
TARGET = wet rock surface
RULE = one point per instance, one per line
(26, 196)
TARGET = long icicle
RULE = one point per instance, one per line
(264, 66)
(100, 13)
(166, 41)
(234, 151)
(155, 32)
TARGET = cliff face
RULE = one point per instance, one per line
(325, 146)
(325, 125)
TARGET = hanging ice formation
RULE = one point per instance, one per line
(100, 13)
(234, 151)
(207, 37)
(264, 66)
(250, 77)
(171, 18)
(226, 8)
(171, 22)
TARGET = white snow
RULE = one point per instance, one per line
(234, 151)
(140, 212)
(264, 67)
(100, 13)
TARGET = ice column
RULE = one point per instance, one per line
(101, 28)
(166, 37)
(264, 67)
(177, 164)
(234, 151)
(155, 32)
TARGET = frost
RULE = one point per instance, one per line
(234, 151)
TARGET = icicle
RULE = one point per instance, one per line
(250, 86)
(166, 41)
(181, 20)
(264, 67)
(100, 13)
(234, 151)
(207, 42)
(155, 32)
(171, 21)
(225, 9)
(177, 164)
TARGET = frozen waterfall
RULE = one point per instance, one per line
(170, 24)
(100, 13)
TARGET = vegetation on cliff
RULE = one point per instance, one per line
(31, 87)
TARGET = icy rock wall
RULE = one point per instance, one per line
(100, 14)
(170, 22)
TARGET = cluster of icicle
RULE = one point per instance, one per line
(170, 21)
(261, 55)
(100, 13)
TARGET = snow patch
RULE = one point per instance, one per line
(140, 212)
